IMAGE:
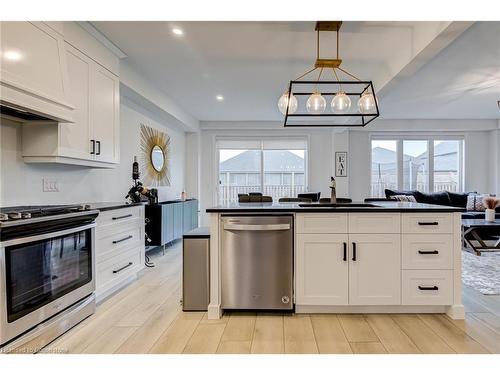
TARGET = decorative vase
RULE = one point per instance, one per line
(489, 215)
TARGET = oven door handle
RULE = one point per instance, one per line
(45, 236)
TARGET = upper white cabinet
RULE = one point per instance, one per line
(33, 71)
(93, 139)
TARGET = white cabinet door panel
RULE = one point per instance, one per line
(432, 251)
(375, 269)
(105, 95)
(74, 138)
(427, 287)
(420, 223)
(321, 271)
(321, 223)
(374, 222)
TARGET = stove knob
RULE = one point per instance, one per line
(14, 215)
(26, 215)
(4, 217)
(84, 207)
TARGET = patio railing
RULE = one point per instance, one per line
(229, 193)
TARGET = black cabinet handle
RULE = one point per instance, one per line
(428, 223)
(121, 217)
(428, 287)
(354, 251)
(122, 268)
(98, 147)
(345, 252)
(92, 142)
(428, 252)
(123, 239)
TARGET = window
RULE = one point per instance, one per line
(273, 167)
(424, 164)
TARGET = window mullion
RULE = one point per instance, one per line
(399, 163)
(430, 154)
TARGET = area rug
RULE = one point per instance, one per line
(481, 273)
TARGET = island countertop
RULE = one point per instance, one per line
(384, 206)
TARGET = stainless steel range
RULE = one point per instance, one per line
(46, 273)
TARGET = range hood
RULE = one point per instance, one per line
(23, 115)
(34, 83)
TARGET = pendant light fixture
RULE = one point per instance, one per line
(304, 103)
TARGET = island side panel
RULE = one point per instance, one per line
(214, 308)
(457, 311)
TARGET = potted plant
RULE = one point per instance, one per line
(490, 203)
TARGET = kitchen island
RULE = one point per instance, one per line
(386, 257)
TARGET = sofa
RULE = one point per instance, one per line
(443, 198)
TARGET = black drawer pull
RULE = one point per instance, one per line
(123, 239)
(354, 251)
(93, 147)
(98, 143)
(428, 223)
(121, 217)
(428, 252)
(345, 252)
(121, 269)
(428, 287)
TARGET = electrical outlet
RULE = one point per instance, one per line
(50, 186)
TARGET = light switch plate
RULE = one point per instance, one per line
(50, 185)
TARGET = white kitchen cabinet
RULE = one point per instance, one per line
(93, 139)
(119, 248)
(105, 96)
(322, 269)
(375, 269)
(33, 71)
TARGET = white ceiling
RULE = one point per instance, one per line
(461, 82)
(251, 63)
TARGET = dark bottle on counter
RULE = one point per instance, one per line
(135, 169)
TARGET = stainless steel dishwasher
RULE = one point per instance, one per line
(257, 262)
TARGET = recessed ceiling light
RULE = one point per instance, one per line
(219, 98)
(177, 31)
(12, 55)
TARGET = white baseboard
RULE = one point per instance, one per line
(214, 312)
(306, 309)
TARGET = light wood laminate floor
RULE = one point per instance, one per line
(146, 317)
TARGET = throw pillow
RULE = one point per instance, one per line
(475, 202)
(458, 199)
(391, 193)
(440, 198)
(405, 198)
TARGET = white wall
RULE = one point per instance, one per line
(21, 183)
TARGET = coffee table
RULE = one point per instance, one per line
(476, 232)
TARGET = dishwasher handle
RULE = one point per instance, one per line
(256, 227)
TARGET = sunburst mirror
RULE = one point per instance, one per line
(155, 151)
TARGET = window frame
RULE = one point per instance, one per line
(261, 140)
(430, 139)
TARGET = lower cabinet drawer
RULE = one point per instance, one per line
(427, 252)
(116, 267)
(111, 246)
(427, 287)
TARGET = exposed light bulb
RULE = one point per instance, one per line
(283, 102)
(341, 103)
(366, 104)
(316, 104)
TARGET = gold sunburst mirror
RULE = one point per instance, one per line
(155, 151)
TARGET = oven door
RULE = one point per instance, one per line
(42, 275)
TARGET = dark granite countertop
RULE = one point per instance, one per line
(106, 206)
(294, 207)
